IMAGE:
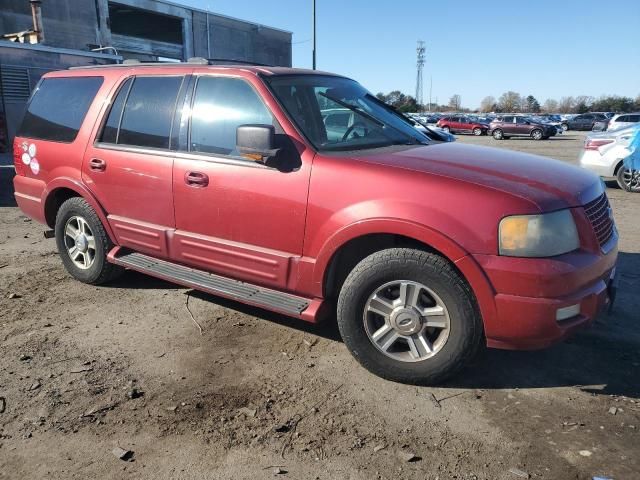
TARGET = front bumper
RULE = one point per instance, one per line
(529, 293)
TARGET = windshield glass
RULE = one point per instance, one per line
(337, 113)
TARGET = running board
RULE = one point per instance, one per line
(214, 284)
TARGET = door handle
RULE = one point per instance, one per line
(196, 179)
(97, 165)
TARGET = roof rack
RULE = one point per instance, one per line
(192, 61)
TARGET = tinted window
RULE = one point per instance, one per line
(507, 119)
(110, 131)
(58, 108)
(622, 118)
(148, 113)
(220, 106)
(587, 117)
(633, 118)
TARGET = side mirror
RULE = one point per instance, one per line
(256, 142)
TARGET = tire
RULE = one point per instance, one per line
(537, 134)
(627, 180)
(565, 127)
(477, 131)
(446, 129)
(498, 134)
(76, 215)
(442, 288)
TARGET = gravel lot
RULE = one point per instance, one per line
(87, 369)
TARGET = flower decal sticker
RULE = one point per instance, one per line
(29, 157)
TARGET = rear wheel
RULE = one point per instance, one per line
(406, 315)
(477, 131)
(537, 134)
(498, 134)
(83, 244)
(628, 180)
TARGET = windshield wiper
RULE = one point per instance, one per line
(368, 116)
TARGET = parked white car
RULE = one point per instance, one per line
(603, 154)
(623, 120)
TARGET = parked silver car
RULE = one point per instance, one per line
(622, 120)
(603, 154)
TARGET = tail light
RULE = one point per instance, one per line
(596, 143)
(17, 157)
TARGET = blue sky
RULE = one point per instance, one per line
(474, 48)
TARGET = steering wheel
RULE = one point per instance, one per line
(352, 127)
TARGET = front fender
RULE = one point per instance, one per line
(436, 240)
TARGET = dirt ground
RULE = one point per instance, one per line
(85, 369)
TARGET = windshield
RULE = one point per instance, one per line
(336, 113)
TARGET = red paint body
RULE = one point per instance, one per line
(282, 229)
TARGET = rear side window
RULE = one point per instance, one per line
(110, 131)
(220, 106)
(58, 108)
(148, 112)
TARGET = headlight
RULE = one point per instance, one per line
(542, 235)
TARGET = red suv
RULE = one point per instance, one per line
(462, 124)
(224, 179)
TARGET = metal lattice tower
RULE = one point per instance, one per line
(420, 50)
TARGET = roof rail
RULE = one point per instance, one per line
(129, 62)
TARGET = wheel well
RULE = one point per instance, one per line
(54, 201)
(615, 170)
(355, 250)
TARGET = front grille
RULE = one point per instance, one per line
(598, 212)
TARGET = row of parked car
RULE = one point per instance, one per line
(537, 127)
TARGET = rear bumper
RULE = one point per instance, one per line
(529, 293)
(599, 164)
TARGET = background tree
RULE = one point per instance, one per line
(614, 103)
(532, 105)
(397, 99)
(550, 105)
(566, 104)
(455, 102)
(509, 102)
(488, 104)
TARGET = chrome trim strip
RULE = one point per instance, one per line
(183, 155)
(27, 197)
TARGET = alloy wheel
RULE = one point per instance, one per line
(406, 321)
(80, 242)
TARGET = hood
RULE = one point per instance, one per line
(549, 184)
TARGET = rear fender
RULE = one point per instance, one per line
(82, 191)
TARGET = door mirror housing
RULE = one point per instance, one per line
(256, 142)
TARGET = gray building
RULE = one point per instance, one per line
(76, 32)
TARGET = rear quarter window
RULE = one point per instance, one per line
(58, 107)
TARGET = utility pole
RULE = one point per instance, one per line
(419, 64)
(314, 34)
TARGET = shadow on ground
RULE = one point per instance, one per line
(603, 360)
(6, 187)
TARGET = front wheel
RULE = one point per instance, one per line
(497, 134)
(564, 127)
(406, 315)
(628, 180)
(83, 244)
